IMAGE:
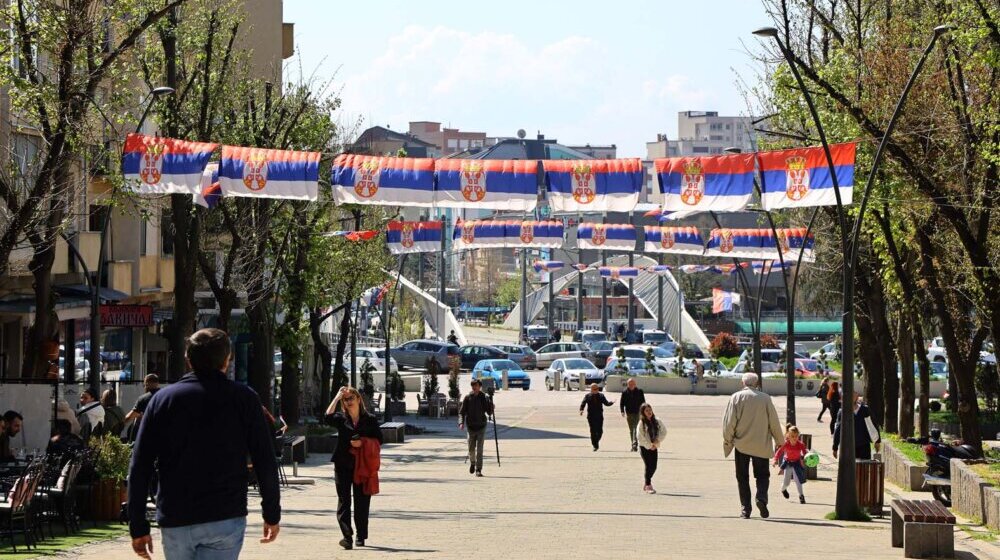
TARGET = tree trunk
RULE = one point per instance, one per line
(924, 364)
(904, 350)
(46, 326)
(871, 358)
(339, 375)
(968, 402)
(325, 356)
(291, 360)
(186, 246)
(260, 370)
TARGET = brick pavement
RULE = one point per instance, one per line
(554, 497)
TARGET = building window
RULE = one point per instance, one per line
(463, 144)
(716, 138)
(700, 149)
(728, 126)
(453, 143)
(97, 216)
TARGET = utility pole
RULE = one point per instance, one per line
(659, 295)
(441, 267)
(604, 287)
(524, 292)
(579, 300)
(629, 313)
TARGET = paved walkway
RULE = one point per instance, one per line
(554, 497)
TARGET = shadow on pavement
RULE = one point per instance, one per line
(417, 514)
(531, 433)
(390, 549)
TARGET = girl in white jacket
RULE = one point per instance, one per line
(649, 433)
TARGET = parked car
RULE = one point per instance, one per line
(471, 354)
(660, 355)
(374, 355)
(552, 352)
(636, 366)
(414, 354)
(831, 351)
(493, 369)
(654, 337)
(766, 355)
(669, 347)
(936, 352)
(589, 337)
(520, 353)
(939, 370)
(604, 350)
(768, 368)
(536, 336)
(807, 368)
(712, 367)
(570, 370)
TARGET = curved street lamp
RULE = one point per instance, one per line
(847, 496)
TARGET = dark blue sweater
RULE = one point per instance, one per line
(199, 432)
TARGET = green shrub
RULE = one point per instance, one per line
(113, 457)
(367, 379)
(431, 386)
(912, 451)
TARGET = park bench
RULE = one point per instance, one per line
(393, 432)
(923, 528)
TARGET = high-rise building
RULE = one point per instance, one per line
(702, 133)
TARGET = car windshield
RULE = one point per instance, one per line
(669, 347)
(537, 331)
(499, 365)
(808, 365)
(594, 337)
(578, 364)
(937, 368)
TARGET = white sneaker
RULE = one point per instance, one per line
(652, 490)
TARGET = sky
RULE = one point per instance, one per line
(583, 72)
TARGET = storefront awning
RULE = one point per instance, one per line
(107, 294)
(801, 327)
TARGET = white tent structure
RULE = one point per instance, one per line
(438, 316)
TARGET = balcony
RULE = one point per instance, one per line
(167, 274)
(149, 273)
(120, 276)
(89, 245)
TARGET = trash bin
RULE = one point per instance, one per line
(871, 485)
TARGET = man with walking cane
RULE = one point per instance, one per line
(476, 407)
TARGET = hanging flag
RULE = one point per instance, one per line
(534, 234)
(616, 272)
(155, 165)
(262, 173)
(480, 234)
(713, 183)
(801, 177)
(610, 237)
(790, 241)
(392, 181)
(654, 213)
(581, 267)
(413, 237)
(487, 184)
(599, 185)
(693, 268)
(209, 192)
(548, 266)
(679, 240)
(741, 244)
(661, 269)
(363, 235)
(723, 300)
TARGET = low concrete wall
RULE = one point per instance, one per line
(903, 472)
(972, 496)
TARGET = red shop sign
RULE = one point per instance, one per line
(126, 315)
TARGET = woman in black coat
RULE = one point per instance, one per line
(349, 415)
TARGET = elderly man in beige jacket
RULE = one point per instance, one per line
(751, 427)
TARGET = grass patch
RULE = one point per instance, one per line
(979, 533)
(989, 471)
(912, 451)
(949, 417)
(730, 363)
(62, 543)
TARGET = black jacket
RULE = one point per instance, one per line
(474, 411)
(595, 403)
(630, 401)
(368, 426)
(200, 431)
(863, 437)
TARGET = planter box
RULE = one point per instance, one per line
(903, 472)
(987, 430)
(972, 496)
(397, 408)
(324, 443)
(106, 497)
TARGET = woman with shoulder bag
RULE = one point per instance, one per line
(650, 434)
(821, 394)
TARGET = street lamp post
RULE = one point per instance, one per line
(94, 378)
(847, 497)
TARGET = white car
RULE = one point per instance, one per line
(660, 356)
(570, 370)
(936, 352)
(830, 349)
(558, 350)
(771, 369)
(374, 355)
(635, 366)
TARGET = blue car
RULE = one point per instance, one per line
(493, 369)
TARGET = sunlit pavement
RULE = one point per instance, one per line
(553, 497)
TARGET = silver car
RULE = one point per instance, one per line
(558, 350)
(414, 354)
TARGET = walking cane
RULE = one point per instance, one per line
(496, 437)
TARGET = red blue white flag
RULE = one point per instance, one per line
(789, 243)
(678, 240)
(210, 192)
(713, 183)
(548, 266)
(723, 300)
(263, 173)
(616, 272)
(600, 185)
(608, 237)
(413, 237)
(480, 234)
(661, 269)
(801, 177)
(741, 244)
(391, 181)
(156, 165)
(487, 184)
(546, 233)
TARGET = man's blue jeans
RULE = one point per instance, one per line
(218, 540)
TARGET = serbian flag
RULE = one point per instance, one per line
(723, 300)
(547, 233)
(610, 237)
(389, 181)
(801, 177)
(209, 192)
(661, 269)
(487, 184)
(158, 165)
(413, 237)
(694, 268)
(480, 234)
(713, 183)
(548, 266)
(263, 173)
(616, 272)
(741, 244)
(581, 267)
(599, 185)
(679, 240)
(789, 243)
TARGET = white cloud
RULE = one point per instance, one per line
(573, 88)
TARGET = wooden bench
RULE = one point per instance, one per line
(393, 432)
(923, 528)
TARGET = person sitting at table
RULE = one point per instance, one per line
(64, 441)
(65, 412)
(12, 426)
(90, 415)
(114, 416)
